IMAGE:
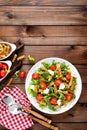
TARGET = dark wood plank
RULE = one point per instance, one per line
(64, 15)
(68, 31)
(43, 2)
(43, 31)
(74, 54)
(43, 40)
(61, 126)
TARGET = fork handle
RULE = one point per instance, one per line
(36, 114)
(43, 123)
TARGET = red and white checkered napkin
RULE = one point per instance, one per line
(10, 121)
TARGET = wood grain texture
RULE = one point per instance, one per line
(50, 28)
(43, 2)
(43, 31)
(76, 54)
(62, 126)
(65, 15)
(47, 41)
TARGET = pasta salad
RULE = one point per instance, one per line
(52, 85)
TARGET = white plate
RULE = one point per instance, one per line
(77, 90)
(9, 63)
(13, 48)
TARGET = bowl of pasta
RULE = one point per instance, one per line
(53, 85)
(6, 49)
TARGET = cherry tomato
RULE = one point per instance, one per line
(2, 73)
(39, 97)
(4, 66)
(57, 82)
(43, 85)
(35, 75)
(1, 65)
(69, 96)
(22, 74)
(53, 67)
(53, 100)
(68, 76)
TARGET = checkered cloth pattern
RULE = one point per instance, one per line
(10, 121)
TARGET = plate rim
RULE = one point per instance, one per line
(50, 111)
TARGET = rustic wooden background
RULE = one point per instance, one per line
(50, 28)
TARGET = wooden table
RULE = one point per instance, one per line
(50, 28)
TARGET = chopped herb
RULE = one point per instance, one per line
(61, 96)
(34, 82)
(45, 74)
(63, 66)
(7, 71)
(39, 69)
(73, 93)
(31, 58)
(46, 65)
(17, 73)
(65, 88)
(74, 79)
(54, 62)
(42, 106)
(65, 72)
(55, 75)
(51, 89)
(32, 92)
(67, 101)
(46, 98)
(54, 95)
(51, 107)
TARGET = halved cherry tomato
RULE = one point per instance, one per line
(53, 100)
(43, 85)
(57, 82)
(69, 96)
(39, 97)
(35, 75)
(2, 73)
(68, 76)
(1, 65)
(4, 66)
(53, 67)
(22, 74)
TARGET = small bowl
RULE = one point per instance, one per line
(13, 48)
(9, 63)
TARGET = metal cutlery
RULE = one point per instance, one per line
(16, 108)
